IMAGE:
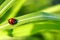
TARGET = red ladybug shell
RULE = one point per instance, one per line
(12, 21)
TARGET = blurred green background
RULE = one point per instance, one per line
(36, 19)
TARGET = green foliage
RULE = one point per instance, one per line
(36, 20)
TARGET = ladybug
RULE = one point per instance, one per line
(12, 21)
